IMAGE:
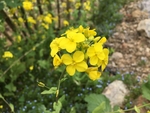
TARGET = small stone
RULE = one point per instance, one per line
(115, 92)
(116, 55)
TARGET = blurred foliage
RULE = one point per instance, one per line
(107, 15)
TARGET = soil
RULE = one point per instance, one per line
(131, 49)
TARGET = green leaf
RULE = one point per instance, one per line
(1, 5)
(94, 100)
(100, 108)
(146, 89)
(73, 110)
(57, 106)
(51, 91)
(2, 27)
(43, 64)
(136, 109)
(11, 107)
(11, 87)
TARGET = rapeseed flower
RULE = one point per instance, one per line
(75, 62)
(27, 5)
(31, 20)
(56, 61)
(48, 19)
(93, 73)
(71, 41)
(66, 23)
(7, 54)
(95, 53)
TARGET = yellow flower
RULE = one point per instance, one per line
(66, 23)
(74, 63)
(148, 111)
(103, 63)
(56, 61)
(7, 54)
(93, 73)
(1, 106)
(87, 5)
(64, 5)
(18, 39)
(71, 41)
(27, 5)
(48, 18)
(20, 20)
(95, 53)
(77, 5)
(31, 68)
(56, 45)
(31, 20)
(89, 33)
(46, 26)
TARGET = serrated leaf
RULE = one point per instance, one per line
(100, 108)
(136, 109)
(11, 107)
(51, 91)
(57, 106)
(94, 100)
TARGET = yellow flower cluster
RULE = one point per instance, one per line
(7, 54)
(82, 52)
(27, 5)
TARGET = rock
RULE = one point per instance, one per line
(144, 28)
(138, 14)
(144, 5)
(116, 55)
(115, 92)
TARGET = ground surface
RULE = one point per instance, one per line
(131, 50)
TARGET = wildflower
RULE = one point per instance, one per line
(87, 5)
(66, 23)
(64, 5)
(95, 53)
(27, 5)
(148, 111)
(31, 68)
(31, 20)
(18, 38)
(56, 46)
(48, 18)
(1, 106)
(20, 20)
(72, 40)
(103, 63)
(7, 54)
(77, 5)
(41, 84)
(46, 26)
(56, 61)
(93, 73)
(74, 63)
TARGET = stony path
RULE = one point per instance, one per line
(132, 49)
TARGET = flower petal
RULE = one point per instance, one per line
(79, 37)
(93, 60)
(66, 59)
(70, 46)
(81, 67)
(78, 56)
(70, 70)
(94, 75)
(91, 51)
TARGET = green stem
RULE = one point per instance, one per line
(20, 58)
(59, 82)
(58, 12)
